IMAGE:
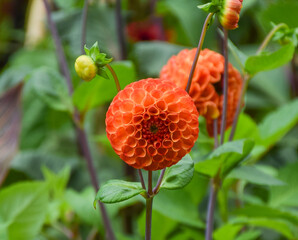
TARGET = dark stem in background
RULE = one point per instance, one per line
(156, 188)
(81, 134)
(59, 50)
(149, 202)
(210, 214)
(152, 6)
(225, 88)
(238, 109)
(84, 26)
(120, 30)
(294, 77)
(203, 33)
(215, 130)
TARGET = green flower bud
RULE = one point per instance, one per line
(85, 68)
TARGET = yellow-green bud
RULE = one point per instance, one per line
(85, 68)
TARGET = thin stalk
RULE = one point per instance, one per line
(215, 133)
(81, 134)
(156, 188)
(149, 202)
(59, 49)
(239, 107)
(84, 24)
(152, 6)
(199, 48)
(115, 77)
(142, 178)
(270, 35)
(210, 213)
(120, 32)
(225, 88)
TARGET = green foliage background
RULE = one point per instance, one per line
(47, 192)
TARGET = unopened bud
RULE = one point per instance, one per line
(85, 68)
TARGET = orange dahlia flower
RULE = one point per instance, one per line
(152, 124)
(229, 15)
(207, 83)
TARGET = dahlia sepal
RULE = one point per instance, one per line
(225, 158)
(117, 191)
(92, 64)
(211, 7)
(179, 175)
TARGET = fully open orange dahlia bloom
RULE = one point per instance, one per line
(207, 83)
(152, 124)
(230, 13)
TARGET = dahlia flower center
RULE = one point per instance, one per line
(155, 130)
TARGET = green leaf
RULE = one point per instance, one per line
(178, 175)
(187, 19)
(268, 61)
(262, 211)
(286, 195)
(99, 58)
(253, 175)
(99, 91)
(117, 191)
(227, 232)
(277, 225)
(278, 123)
(280, 12)
(57, 182)
(224, 158)
(22, 210)
(246, 126)
(178, 206)
(51, 88)
(249, 235)
(151, 56)
(81, 203)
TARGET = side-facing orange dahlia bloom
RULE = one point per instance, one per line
(207, 83)
(152, 124)
(230, 13)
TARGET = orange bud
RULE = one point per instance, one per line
(229, 14)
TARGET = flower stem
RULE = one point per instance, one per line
(215, 133)
(142, 178)
(202, 37)
(156, 188)
(149, 202)
(210, 213)
(84, 24)
(120, 27)
(239, 107)
(270, 35)
(81, 134)
(59, 50)
(225, 88)
(115, 77)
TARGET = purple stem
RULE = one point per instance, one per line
(142, 178)
(238, 109)
(156, 189)
(225, 88)
(215, 133)
(210, 214)
(81, 134)
(84, 24)
(149, 202)
(120, 28)
(59, 50)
